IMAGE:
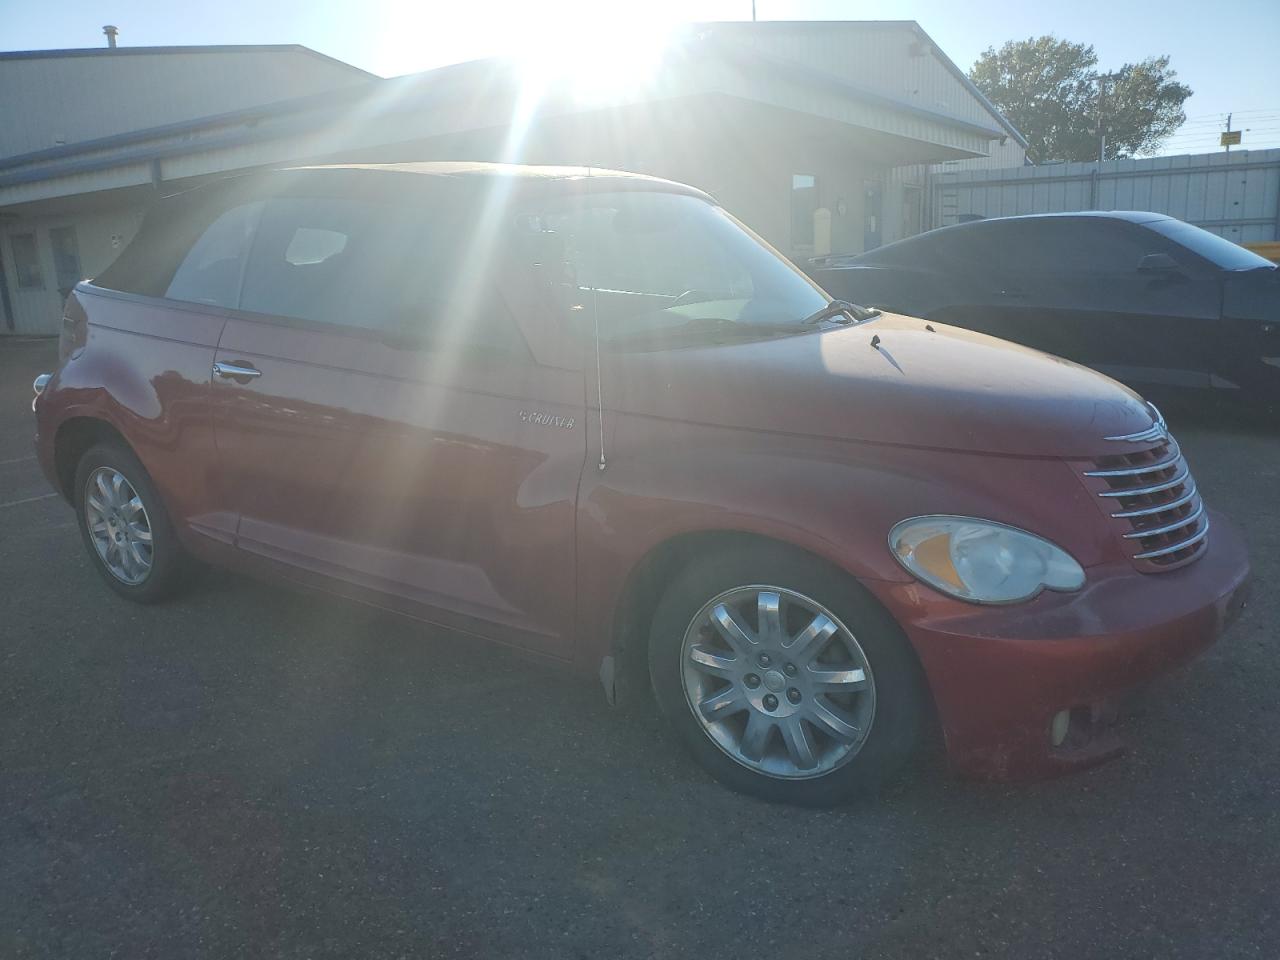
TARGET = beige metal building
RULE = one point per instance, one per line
(818, 135)
(61, 111)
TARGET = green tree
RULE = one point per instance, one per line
(1051, 90)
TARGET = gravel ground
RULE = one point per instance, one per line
(251, 771)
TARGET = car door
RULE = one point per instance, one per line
(191, 253)
(1246, 343)
(1077, 287)
(385, 427)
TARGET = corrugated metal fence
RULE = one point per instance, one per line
(1236, 195)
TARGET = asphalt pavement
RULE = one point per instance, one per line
(252, 771)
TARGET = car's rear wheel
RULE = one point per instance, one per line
(784, 678)
(124, 525)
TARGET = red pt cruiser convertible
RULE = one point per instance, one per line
(593, 416)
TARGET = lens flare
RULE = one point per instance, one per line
(593, 57)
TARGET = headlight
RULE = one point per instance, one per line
(981, 560)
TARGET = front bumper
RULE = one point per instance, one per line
(999, 674)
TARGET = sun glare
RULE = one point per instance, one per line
(593, 57)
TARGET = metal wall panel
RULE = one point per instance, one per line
(47, 101)
(1235, 195)
(886, 57)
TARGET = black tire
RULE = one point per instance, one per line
(901, 698)
(168, 561)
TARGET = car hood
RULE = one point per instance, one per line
(893, 380)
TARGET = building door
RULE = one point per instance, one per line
(912, 211)
(872, 214)
(6, 307)
(804, 204)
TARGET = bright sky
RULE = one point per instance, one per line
(1226, 51)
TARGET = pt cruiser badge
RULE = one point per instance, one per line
(546, 419)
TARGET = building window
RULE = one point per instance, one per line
(66, 258)
(804, 203)
(26, 261)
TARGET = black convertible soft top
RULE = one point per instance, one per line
(175, 222)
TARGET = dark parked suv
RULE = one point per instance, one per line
(591, 415)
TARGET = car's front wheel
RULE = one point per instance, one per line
(124, 525)
(784, 678)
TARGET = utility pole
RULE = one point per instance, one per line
(1229, 137)
(1102, 129)
(753, 11)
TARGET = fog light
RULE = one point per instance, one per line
(1059, 726)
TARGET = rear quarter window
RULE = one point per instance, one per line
(1219, 251)
(172, 240)
(212, 270)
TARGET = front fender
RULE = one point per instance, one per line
(835, 499)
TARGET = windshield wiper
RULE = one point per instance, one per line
(835, 308)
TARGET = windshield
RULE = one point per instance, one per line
(661, 265)
(1219, 251)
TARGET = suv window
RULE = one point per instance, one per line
(358, 263)
(212, 270)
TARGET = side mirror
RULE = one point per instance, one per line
(1158, 263)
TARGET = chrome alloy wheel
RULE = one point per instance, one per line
(777, 682)
(118, 525)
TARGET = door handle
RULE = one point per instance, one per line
(235, 371)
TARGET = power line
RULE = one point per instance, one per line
(1218, 123)
(1242, 113)
(1214, 135)
(1266, 118)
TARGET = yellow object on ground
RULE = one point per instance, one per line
(1269, 250)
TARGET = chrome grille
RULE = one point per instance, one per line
(1151, 494)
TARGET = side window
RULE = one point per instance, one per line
(326, 260)
(971, 249)
(212, 270)
(1081, 245)
(617, 249)
(636, 263)
(357, 263)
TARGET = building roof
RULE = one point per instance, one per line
(827, 26)
(155, 51)
(760, 57)
(479, 168)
